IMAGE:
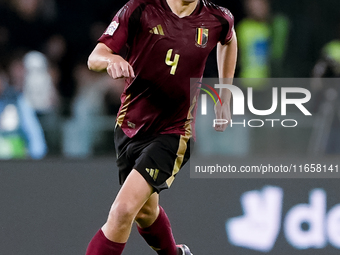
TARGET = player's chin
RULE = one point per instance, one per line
(189, 1)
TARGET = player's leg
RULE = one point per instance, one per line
(149, 212)
(162, 160)
(111, 239)
(154, 226)
(156, 230)
(130, 199)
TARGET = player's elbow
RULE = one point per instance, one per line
(95, 62)
(91, 63)
(98, 59)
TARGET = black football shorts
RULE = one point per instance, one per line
(157, 158)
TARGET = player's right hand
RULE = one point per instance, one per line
(119, 68)
(222, 112)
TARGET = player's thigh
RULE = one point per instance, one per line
(134, 193)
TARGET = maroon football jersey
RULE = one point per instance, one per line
(165, 51)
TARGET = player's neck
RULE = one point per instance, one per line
(182, 8)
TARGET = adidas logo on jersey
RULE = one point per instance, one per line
(153, 173)
(158, 30)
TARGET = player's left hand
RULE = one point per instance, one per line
(222, 112)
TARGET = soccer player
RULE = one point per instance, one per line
(168, 43)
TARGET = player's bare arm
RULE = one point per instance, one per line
(226, 63)
(103, 58)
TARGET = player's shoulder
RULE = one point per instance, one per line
(132, 6)
(217, 10)
(142, 2)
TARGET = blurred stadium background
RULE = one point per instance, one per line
(57, 168)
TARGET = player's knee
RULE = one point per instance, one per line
(122, 212)
(145, 215)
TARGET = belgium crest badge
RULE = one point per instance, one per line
(202, 37)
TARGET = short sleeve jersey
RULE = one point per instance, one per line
(165, 51)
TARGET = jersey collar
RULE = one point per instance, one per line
(194, 13)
